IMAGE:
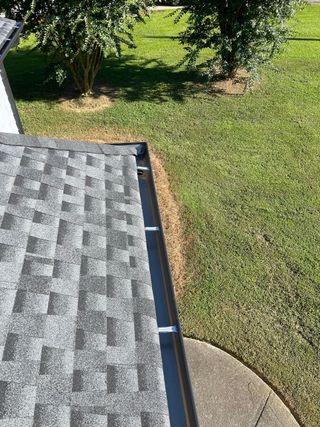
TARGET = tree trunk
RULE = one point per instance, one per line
(232, 73)
(84, 69)
(227, 16)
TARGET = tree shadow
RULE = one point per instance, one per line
(130, 77)
(26, 69)
(148, 80)
(308, 39)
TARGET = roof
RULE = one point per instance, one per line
(78, 327)
(7, 27)
(9, 32)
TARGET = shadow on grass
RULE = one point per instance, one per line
(130, 77)
(305, 39)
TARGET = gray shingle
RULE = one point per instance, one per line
(6, 28)
(78, 329)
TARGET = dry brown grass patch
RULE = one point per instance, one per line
(234, 86)
(104, 136)
(101, 99)
(170, 210)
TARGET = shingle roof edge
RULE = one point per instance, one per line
(135, 149)
(11, 38)
(7, 31)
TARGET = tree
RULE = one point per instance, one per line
(78, 34)
(238, 33)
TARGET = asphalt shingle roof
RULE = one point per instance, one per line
(7, 26)
(78, 332)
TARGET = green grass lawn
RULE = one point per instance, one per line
(247, 171)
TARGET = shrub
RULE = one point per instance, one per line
(239, 33)
(78, 34)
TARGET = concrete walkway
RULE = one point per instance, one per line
(228, 394)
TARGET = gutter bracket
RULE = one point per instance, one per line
(152, 228)
(168, 329)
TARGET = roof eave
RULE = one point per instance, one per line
(12, 40)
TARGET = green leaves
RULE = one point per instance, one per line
(240, 33)
(78, 34)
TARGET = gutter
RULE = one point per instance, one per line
(182, 410)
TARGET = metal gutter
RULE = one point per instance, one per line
(181, 404)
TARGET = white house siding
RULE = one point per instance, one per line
(9, 120)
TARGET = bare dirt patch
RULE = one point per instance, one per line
(236, 86)
(101, 99)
